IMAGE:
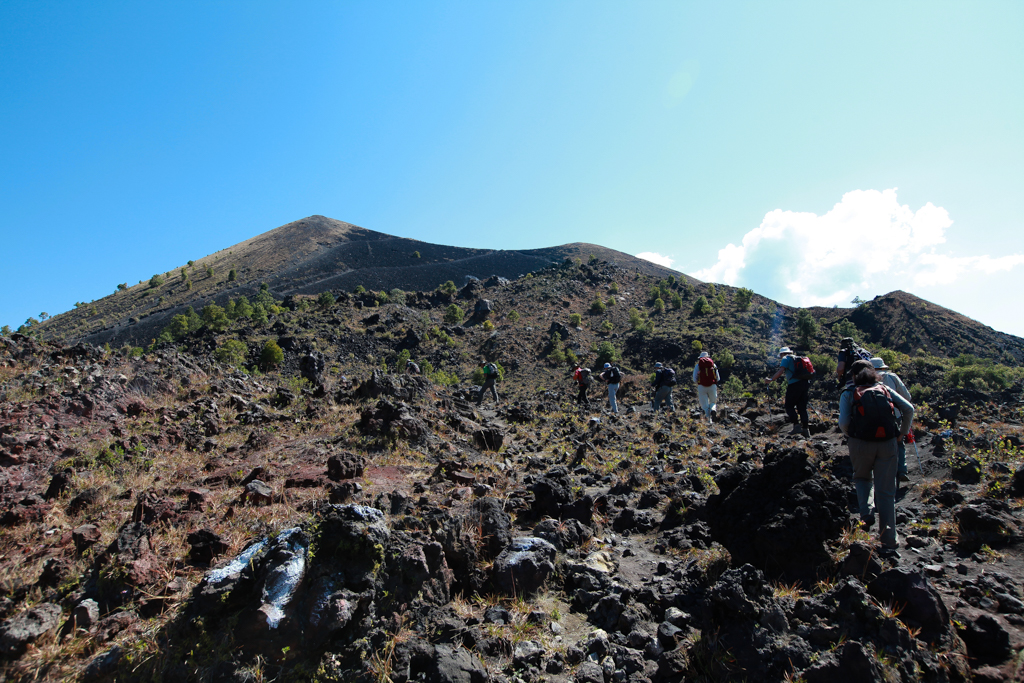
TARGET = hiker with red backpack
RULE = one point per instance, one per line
(891, 380)
(583, 380)
(706, 377)
(798, 371)
(873, 418)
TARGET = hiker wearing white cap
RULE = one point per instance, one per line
(892, 380)
(706, 377)
(664, 380)
(796, 392)
(611, 376)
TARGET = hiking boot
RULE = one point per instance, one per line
(867, 522)
(889, 553)
(902, 478)
(797, 429)
(806, 432)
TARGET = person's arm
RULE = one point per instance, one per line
(695, 372)
(718, 377)
(845, 411)
(900, 387)
(906, 409)
(778, 373)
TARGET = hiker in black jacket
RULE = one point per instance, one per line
(611, 376)
(664, 380)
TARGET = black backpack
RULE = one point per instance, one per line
(614, 376)
(668, 377)
(874, 416)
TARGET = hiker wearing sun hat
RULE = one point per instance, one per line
(796, 392)
(892, 380)
(611, 376)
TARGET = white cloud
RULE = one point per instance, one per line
(654, 257)
(867, 244)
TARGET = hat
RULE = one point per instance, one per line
(785, 351)
(607, 365)
(703, 354)
(879, 363)
(657, 365)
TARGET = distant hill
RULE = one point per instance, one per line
(903, 322)
(309, 256)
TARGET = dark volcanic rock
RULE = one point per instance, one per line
(345, 465)
(17, 633)
(777, 517)
(524, 566)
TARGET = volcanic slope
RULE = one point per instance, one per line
(308, 256)
(207, 511)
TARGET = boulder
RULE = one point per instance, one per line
(986, 637)
(16, 634)
(345, 465)
(922, 606)
(524, 566)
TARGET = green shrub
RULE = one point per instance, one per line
(613, 288)
(677, 301)
(612, 301)
(606, 353)
(271, 356)
(453, 314)
(607, 326)
(232, 275)
(845, 328)
(743, 297)
(806, 326)
(397, 296)
(448, 288)
(512, 316)
(326, 300)
(575, 319)
(597, 306)
(725, 359)
(824, 365)
(155, 281)
(231, 352)
(415, 254)
(359, 290)
(659, 305)
(697, 346)
(215, 318)
(209, 271)
(488, 326)
(701, 306)
(919, 394)
(732, 387)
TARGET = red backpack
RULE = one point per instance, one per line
(705, 371)
(802, 367)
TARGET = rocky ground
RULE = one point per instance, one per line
(166, 517)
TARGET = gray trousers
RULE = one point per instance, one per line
(663, 394)
(488, 385)
(875, 462)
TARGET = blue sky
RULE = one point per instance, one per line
(840, 148)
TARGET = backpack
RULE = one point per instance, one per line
(614, 376)
(802, 367)
(585, 378)
(857, 352)
(490, 369)
(874, 416)
(705, 371)
(668, 377)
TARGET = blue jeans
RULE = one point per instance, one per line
(612, 388)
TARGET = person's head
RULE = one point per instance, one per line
(846, 343)
(703, 354)
(785, 351)
(879, 363)
(409, 362)
(864, 373)
(657, 366)
(607, 366)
